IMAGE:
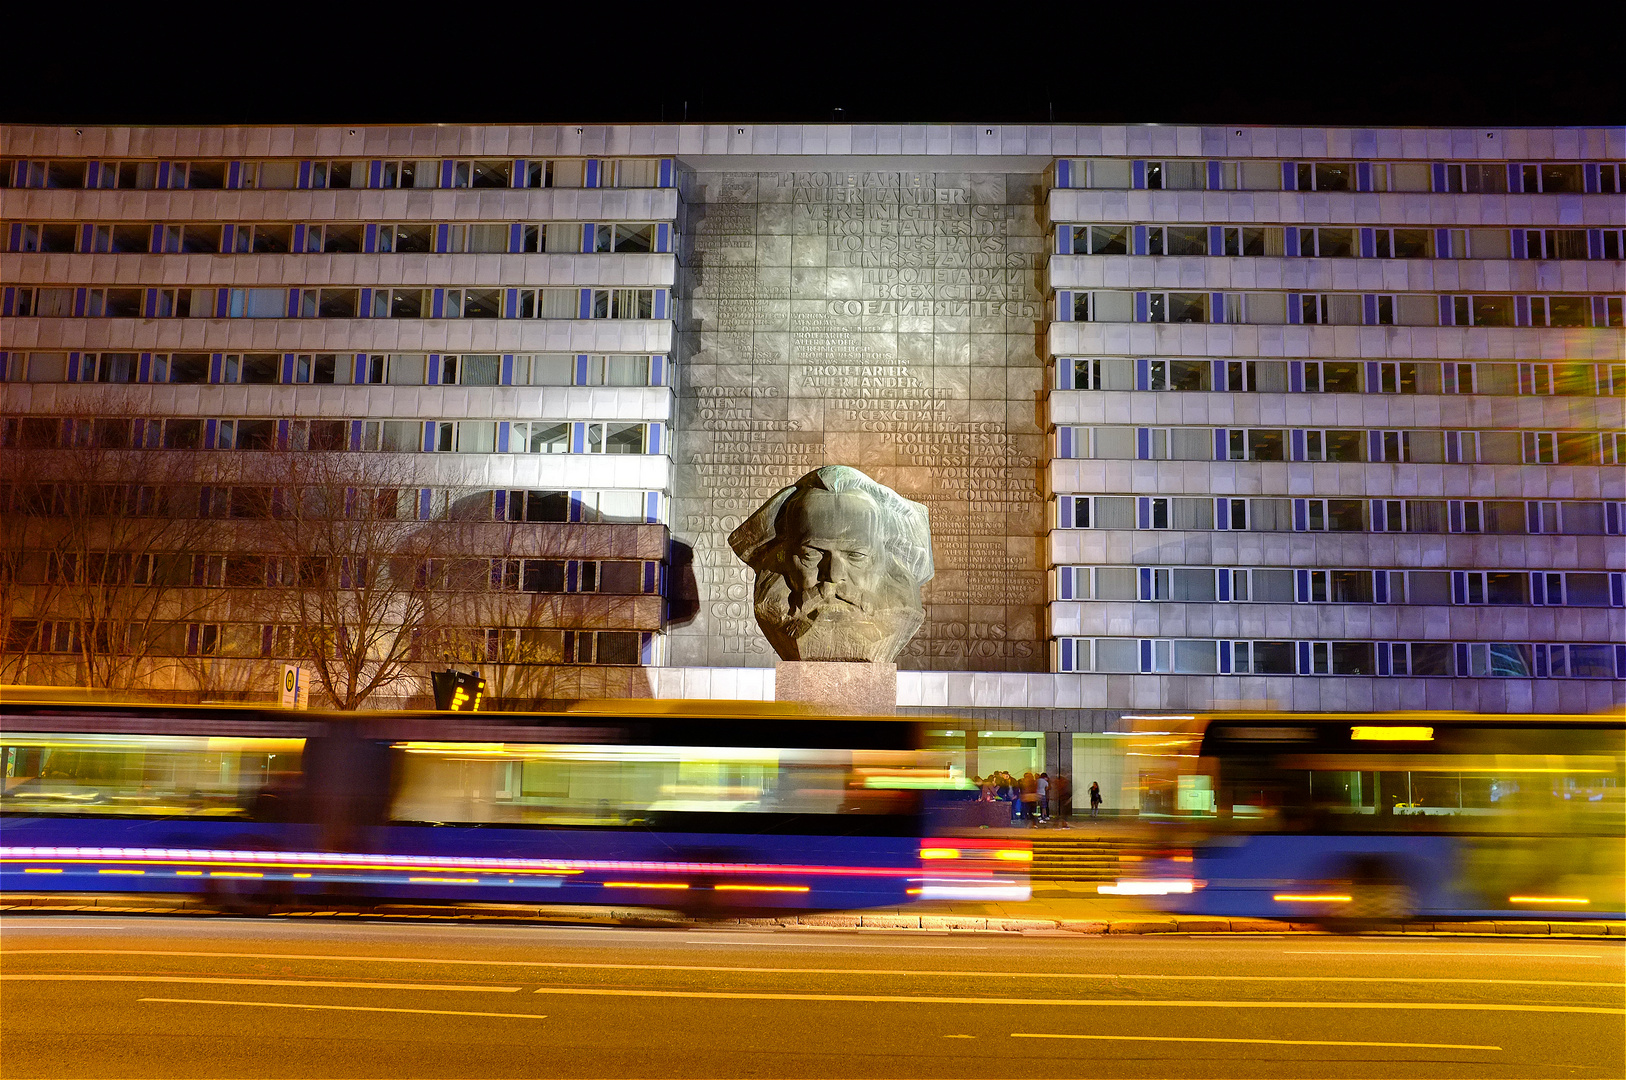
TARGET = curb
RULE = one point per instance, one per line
(656, 918)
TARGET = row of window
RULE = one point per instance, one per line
(1400, 659)
(251, 571)
(1337, 242)
(1336, 444)
(336, 303)
(1224, 585)
(389, 436)
(270, 640)
(1495, 516)
(280, 238)
(1116, 174)
(293, 174)
(264, 502)
(1339, 309)
(398, 369)
(1341, 376)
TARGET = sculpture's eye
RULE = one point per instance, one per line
(809, 555)
(857, 556)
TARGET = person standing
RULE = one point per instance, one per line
(1095, 799)
(1030, 798)
(1044, 796)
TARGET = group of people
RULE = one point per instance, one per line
(1030, 796)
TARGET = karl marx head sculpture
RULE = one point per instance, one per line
(840, 561)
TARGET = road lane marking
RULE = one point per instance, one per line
(912, 999)
(751, 970)
(1437, 952)
(261, 982)
(1259, 1042)
(828, 945)
(341, 1008)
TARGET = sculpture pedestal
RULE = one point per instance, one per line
(853, 689)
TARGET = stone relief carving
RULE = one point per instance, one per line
(839, 563)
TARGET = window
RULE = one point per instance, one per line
(251, 368)
(1177, 307)
(473, 304)
(401, 303)
(1327, 243)
(1177, 175)
(257, 303)
(421, 173)
(482, 174)
(1473, 179)
(1333, 376)
(539, 437)
(1264, 658)
(1336, 515)
(1101, 239)
(550, 304)
(1252, 241)
(1257, 444)
(1180, 374)
(1550, 177)
(1090, 374)
(1104, 307)
(329, 303)
(406, 238)
(338, 174)
(1325, 176)
(1405, 244)
(623, 304)
(1177, 240)
(477, 239)
(1334, 445)
(1335, 309)
(319, 368)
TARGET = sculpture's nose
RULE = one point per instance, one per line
(835, 568)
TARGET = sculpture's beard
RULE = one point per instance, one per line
(827, 600)
(838, 622)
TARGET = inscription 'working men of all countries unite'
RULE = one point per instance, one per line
(883, 320)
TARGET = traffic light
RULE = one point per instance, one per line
(458, 691)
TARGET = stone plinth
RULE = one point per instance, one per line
(856, 689)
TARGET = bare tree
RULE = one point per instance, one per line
(356, 589)
(99, 542)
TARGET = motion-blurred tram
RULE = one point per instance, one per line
(1393, 816)
(701, 807)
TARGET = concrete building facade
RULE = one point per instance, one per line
(1205, 418)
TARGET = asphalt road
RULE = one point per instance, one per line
(173, 997)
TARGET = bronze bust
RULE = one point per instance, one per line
(839, 563)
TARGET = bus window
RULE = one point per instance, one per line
(145, 775)
(571, 785)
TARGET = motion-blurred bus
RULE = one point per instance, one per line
(708, 808)
(1390, 816)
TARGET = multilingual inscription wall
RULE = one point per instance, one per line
(887, 320)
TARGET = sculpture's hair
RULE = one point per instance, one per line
(905, 531)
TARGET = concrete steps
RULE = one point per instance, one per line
(1084, 857)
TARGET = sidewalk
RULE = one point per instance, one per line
(1055, 908)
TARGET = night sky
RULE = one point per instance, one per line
(1328, 64)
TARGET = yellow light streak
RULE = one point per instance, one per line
(1548, 900)
(189, 873)
(224, 873)
(1315, 898)
(41, 870)
(132, 873)
(1361, 733)
(643, 885)
(939, 853)
(761, 888)
(1014, 855)
(445, 880)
